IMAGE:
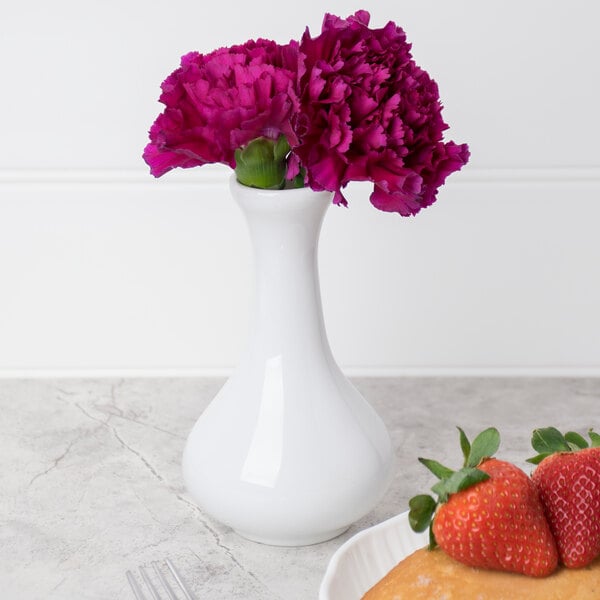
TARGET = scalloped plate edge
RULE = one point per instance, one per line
(366, 557)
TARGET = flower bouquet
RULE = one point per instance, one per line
(289, 452)
(348, 105)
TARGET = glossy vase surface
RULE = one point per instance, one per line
(288, 452)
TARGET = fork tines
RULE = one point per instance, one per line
(181, 584)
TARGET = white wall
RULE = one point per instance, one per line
(103, 267)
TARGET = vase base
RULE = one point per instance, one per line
(293, 540)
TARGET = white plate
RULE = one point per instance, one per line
(366, 557)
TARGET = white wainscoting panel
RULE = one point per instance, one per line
(118, 272)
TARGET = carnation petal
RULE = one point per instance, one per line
(391, 132)
(394, 202)
(339, 199)
(326, 172)
(161, 161)
(220, 101)
(293, 167)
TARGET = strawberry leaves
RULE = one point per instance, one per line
(549, 440)
(459, 480)
(595, 437)
(423, 507)
(484, 446)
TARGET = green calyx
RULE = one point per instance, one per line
(549, 440)
(422, 508)
(263, 164)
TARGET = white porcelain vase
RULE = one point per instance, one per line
(288, 452)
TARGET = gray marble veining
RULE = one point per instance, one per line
(90, 480)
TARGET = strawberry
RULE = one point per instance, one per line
(568, 480)
(488, 513)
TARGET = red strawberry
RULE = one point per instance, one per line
(498, 524)
(568, 480)
(488, 515)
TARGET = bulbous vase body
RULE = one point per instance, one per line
(288, 452)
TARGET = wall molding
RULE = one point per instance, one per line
(375, 372)
(217, 175)
(110, 273)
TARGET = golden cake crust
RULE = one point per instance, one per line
(433, 575)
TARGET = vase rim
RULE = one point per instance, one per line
(246, 190)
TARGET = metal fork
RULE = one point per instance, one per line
(137, 591)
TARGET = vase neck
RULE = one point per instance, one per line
(284, 229)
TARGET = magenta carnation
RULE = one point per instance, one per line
(369, 113)
(218, 102)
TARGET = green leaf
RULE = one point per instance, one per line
(484, 445)
(536, 460)
(465, 478)
(439, 489)
(281, 148)
(549, 440)
(421, 512)
(576, 441)
(595, 437)
(439, 470)
(465, 445)
(458, 481)
(298, 181)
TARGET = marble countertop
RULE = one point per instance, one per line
(91, 485)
